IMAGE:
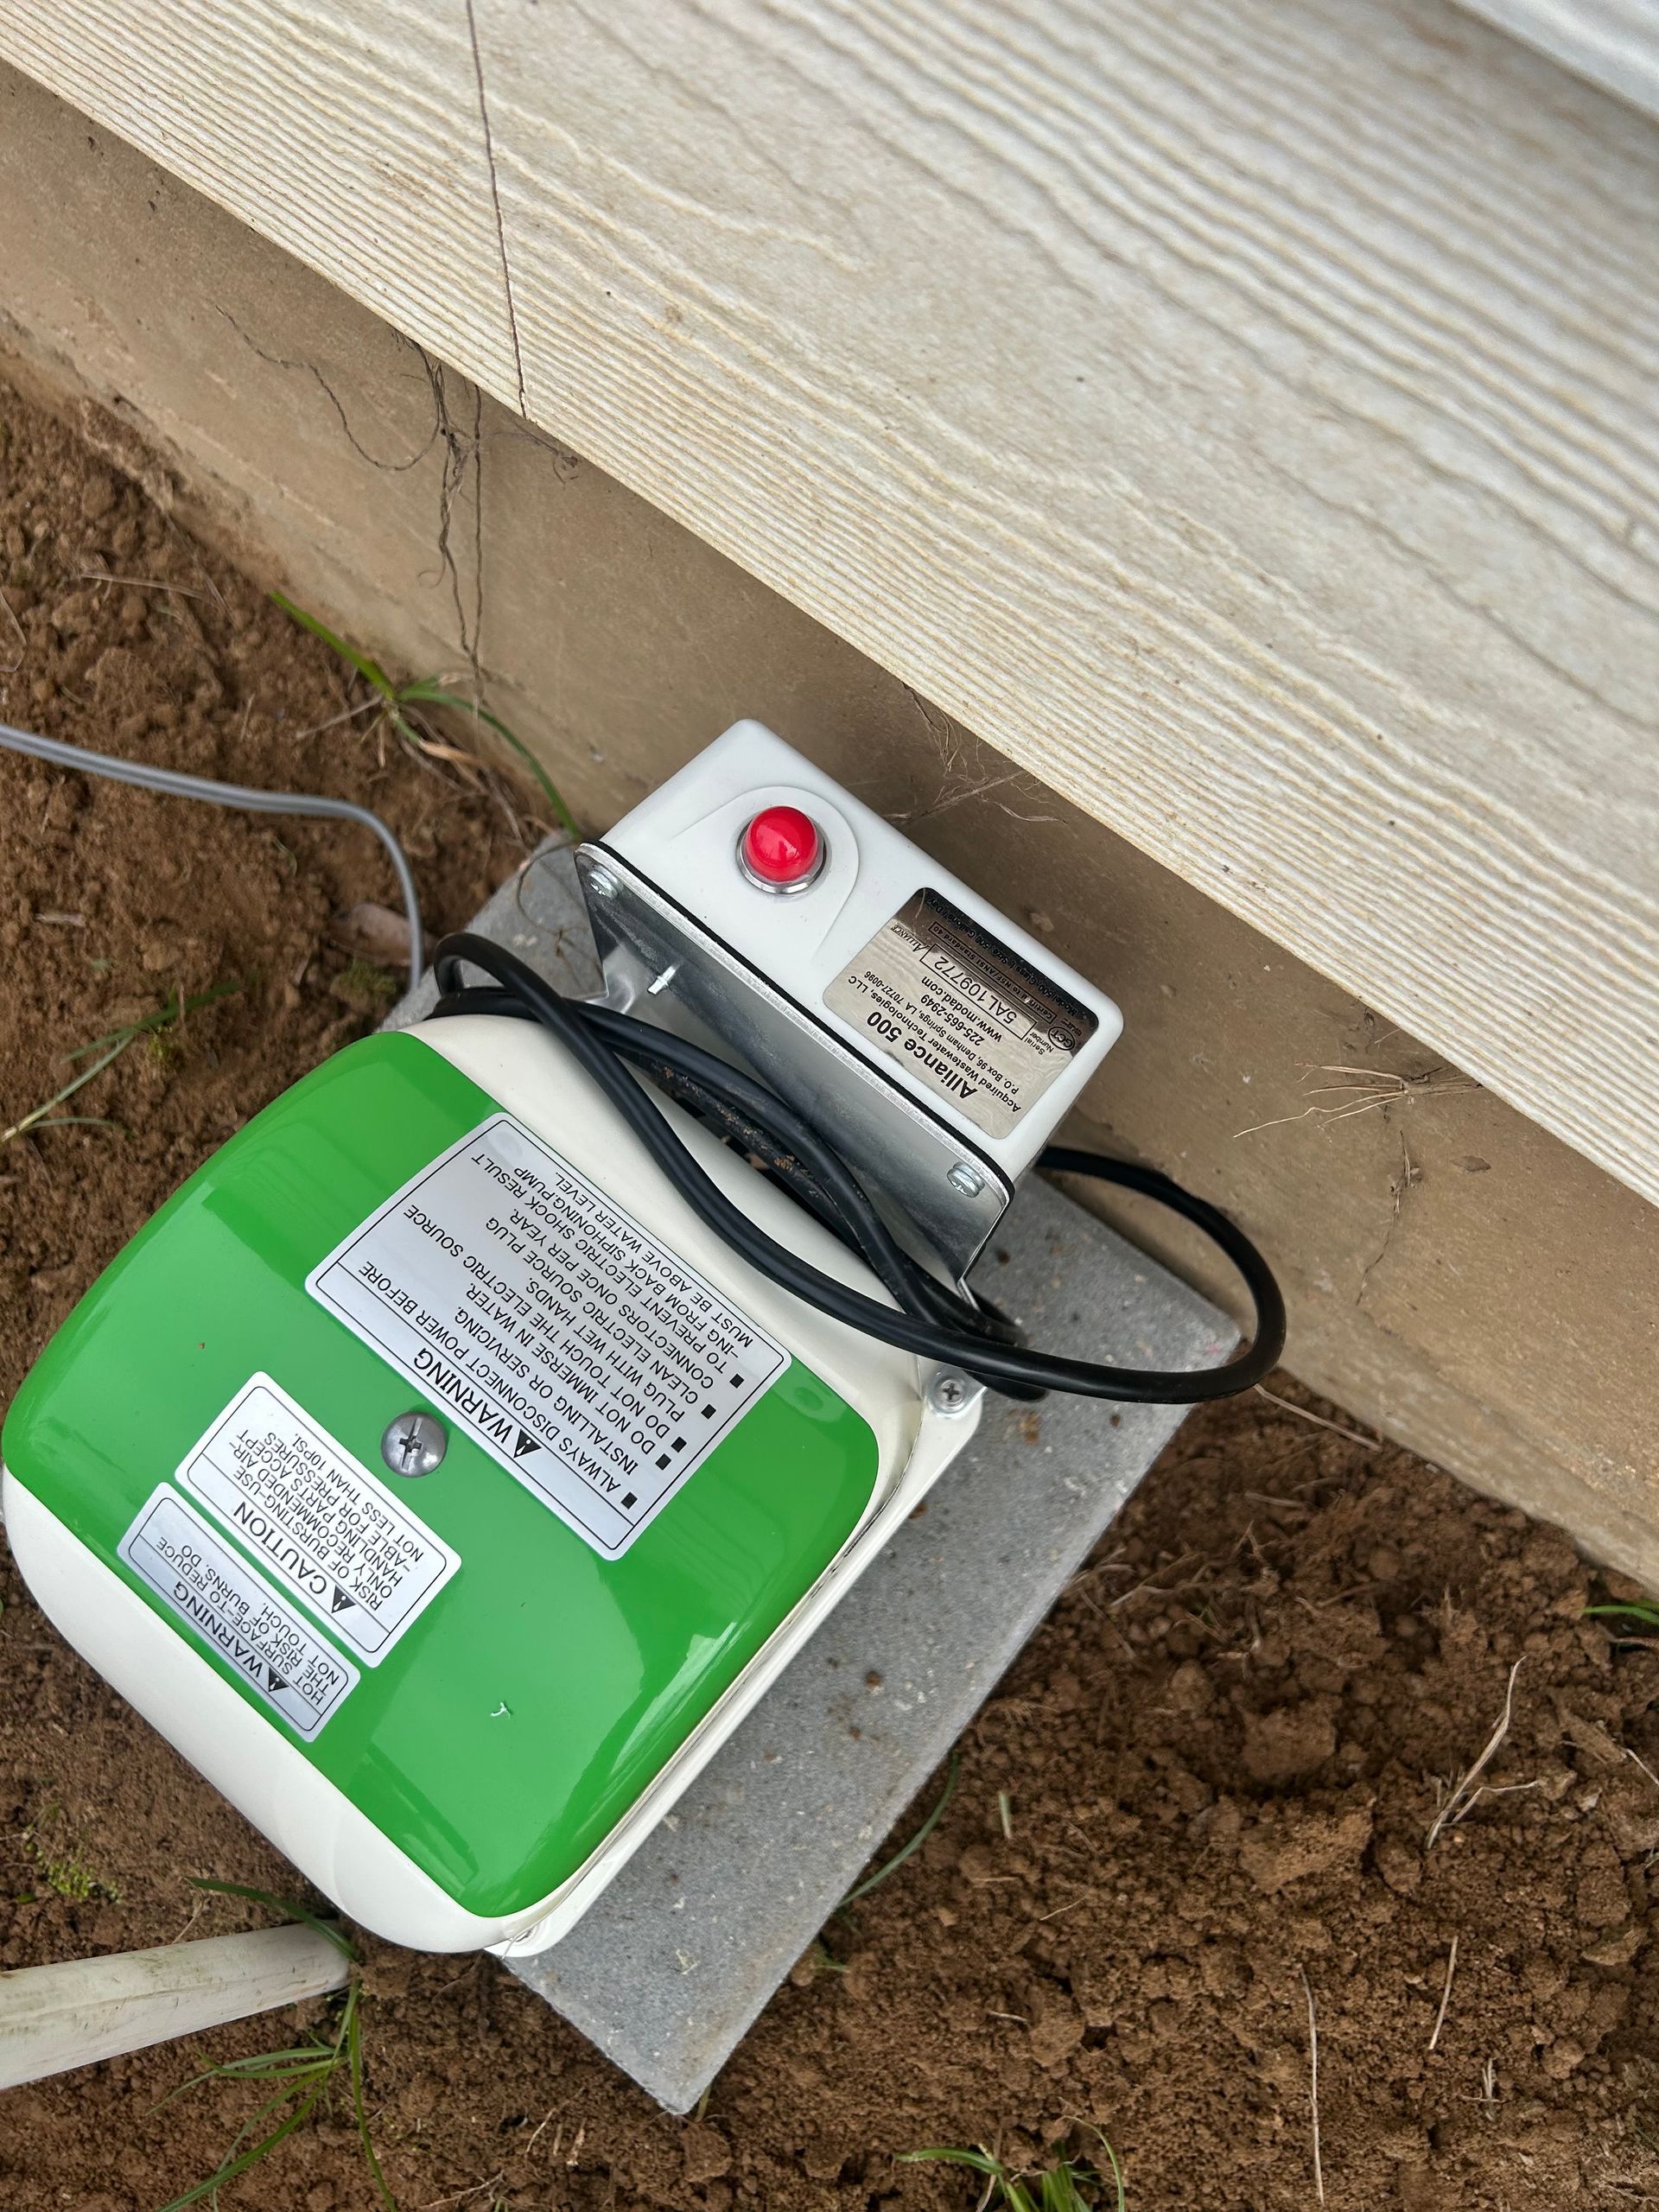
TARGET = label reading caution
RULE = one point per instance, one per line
(315, 1517)
(535, 1314)
(218, 1597)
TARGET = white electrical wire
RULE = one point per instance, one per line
(179, 786)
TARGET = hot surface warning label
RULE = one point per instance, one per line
(973, 1020)
(227, 1605)
(326, 1528)
(532, 1311)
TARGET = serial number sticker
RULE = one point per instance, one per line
(317, 1520)
(598, 1368)
(218, 1597)
(973, 1020)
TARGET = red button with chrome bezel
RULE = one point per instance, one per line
(781, 849)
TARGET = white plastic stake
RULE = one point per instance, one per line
(55, 2017)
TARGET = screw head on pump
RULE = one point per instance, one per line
(952, 1393)
(414, 1444)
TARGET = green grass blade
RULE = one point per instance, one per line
(1112, 2160)
(404, 727)
(258, 2118)
(286, 1906)
(302, 2074)
(864, 1888)
(233, 2169)
(1062, 2188)
(354, 2049)
(210, 996)
(980, 2161)
(38, 1114)
(164, 1017)
(242, 2069)
(427, 693)
(119, 1039)
(116, 1039)
(208, 2074)
(369, 669)
(1637, 1610)
(299, 2059)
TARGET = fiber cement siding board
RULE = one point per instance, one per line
(1243, 415)
(1615, 43)
(348, 132)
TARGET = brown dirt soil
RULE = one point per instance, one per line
(1220, 1757)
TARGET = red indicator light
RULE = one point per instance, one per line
(781, 849)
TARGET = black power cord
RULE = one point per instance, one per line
(933, 1319)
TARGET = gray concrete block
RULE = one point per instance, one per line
(537, 913)
(669, 1968)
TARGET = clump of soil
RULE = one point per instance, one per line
(112, 899)
(1220, 1760)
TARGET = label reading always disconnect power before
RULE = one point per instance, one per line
(974, 1020)
(551, 1326)
(215, 1594)
(316, 1519)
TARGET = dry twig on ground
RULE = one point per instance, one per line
(1314, 2084)
(1446, 1994)
(1466, 1789)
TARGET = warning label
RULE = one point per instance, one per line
(213, 1592)
(595, 1366)
(323, 1525)
(972, 1020)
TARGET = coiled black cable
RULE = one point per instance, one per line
(933, 1319)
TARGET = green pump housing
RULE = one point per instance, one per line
(541, 1688)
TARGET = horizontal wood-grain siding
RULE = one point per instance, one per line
(1615, 43)
(1243, 415)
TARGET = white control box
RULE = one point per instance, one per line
(800, 899)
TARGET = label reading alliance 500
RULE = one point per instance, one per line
(967, 1016)
(592, 1363)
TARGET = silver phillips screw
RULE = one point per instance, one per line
(967, 1179)
(952, 1393)
(414, 1444)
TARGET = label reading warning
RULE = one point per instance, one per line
(972, 1020)
(219, 1598)
(531, 1311)
(324, 1526)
